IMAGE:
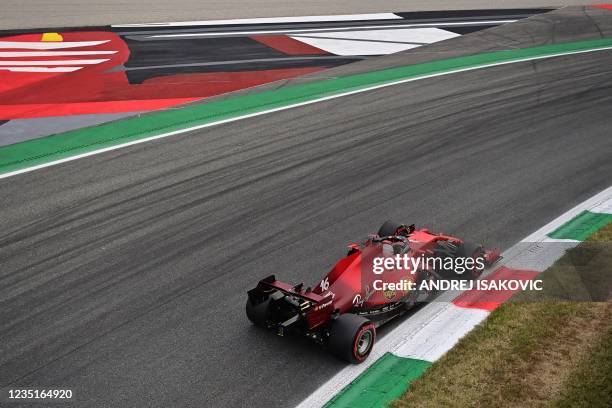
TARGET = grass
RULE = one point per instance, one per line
(544, 353)
(590, 384)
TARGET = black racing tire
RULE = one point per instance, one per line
(258, 314)
(388, 228)
(474, 251)
(351, 338)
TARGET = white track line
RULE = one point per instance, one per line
(437, 327)
(315, 30)
(41, 45)
(603, 207)
(431, 341)
(40, 69)
(355, 47)
(365, 42)
(410, 35)
(19, 54)
(291, 106)
(269, 20)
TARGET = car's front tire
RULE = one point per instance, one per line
(473, 251)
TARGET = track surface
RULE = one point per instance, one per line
(17, 14)
(123, 275)
(156, 67)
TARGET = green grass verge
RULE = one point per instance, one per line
(531, 353)
(590, 384)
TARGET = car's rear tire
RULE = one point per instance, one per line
(388, 228)
(258, 314)
(351, 338)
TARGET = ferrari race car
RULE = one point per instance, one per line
(344, 309)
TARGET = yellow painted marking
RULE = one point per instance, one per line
(55, 37)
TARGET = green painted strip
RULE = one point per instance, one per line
(387, 379)
(582, 226)
(61, 146)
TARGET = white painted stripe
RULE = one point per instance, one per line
(40, 69)
(603, 207)
(269, 20)
(315, 30)
(569, 241)
(51, 62)
(347, 42)
(441, 334)
(18, 54)
(411, 35)
(355, 47)
(424, 334)
(291, 106)
(538, 256)
(35, 45)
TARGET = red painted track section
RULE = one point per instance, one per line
(603, 6)
(288, 45)
(85, 93)
(491, 299)
(100, 85)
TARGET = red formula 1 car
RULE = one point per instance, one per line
(344, 309)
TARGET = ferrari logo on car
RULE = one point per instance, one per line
(389, 294)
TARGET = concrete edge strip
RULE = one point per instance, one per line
(428, 334)
(64, 147)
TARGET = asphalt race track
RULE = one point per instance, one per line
(124, 274)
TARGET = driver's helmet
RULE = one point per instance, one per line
(404, 230)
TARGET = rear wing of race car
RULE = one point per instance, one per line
(293, 305)
(270, 284)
